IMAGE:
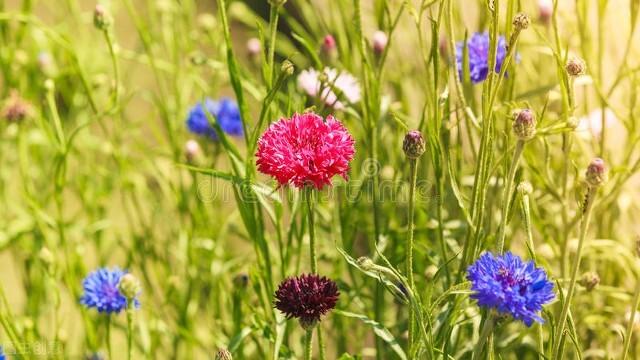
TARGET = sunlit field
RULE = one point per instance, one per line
(319, 179)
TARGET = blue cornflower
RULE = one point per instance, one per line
(101, 291)
(2, 355)
(225, 112)
(510, 286)
(478, 48)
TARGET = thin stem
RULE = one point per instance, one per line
(506, 195)
(584, 226)
(109, 337)
(484, 335)
(413, 165)
(313, 257)
(130, 329)
(307, 344)
(632, 318)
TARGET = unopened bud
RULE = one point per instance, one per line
(596, 173)
(46, 256)
(524, 124)
(545, 10)
(379, 41)
(430, 272)
(206, 21)
(589, 280)
(102, 19)
(365, 263)
(576, 67)
(254, 47)
(413, 144)
(129, 286)
(223, 354)
(191, 150)
(573, 122)
(328, 43)
(241, 281)
(521, 21)
(287, 68)
(525, 188)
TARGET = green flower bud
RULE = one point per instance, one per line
(102, 19)
(521, 21)
(413, 144)
(129, 286)
(524, 124)
(589, 280)
(596, 173)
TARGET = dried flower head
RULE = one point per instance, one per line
(478, 50)
(521, 21)
(524, 124)
(306, 298)
(305, 150)
(223, 354)
(576, 67)
(589, 280)
(413, 144)
(596, 173)
(15, 109)
(510, 286)
(525, 188)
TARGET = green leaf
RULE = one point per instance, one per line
(379, 330)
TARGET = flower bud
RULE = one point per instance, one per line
(430, 272)
(525, 188)
(241, 281)
(307, 324)
(287, 68)
(379, 42)
(254, 47)
(521, 21)
(15, 109)
(576, 67)
(206, 21)
(545, 10)
(365, 263)
(524, 124)
(223, 354)
(573, 122)
(328, 43)
(102, 19)
(596, 173)
(46, 256)
(589, 280)
(191, 150)
(413, 144)
(129, 286)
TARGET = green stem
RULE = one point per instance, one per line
(307, 344)
(109, 337)
(584, 226)
(484, 335)
(413, 173)
(506, 195)
(313, 257)
(632, 318)
(130, 329)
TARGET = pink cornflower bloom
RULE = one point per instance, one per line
(310, 82)
(305, 150)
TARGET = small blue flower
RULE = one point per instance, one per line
(101, 291)
(225, 112)
(510, 286)
(478, 49)
(2, 355)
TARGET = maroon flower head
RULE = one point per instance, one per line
(305, 150)
(306, 297)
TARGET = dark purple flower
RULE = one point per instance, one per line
(306, 297)
(510, 286)
(478, 49)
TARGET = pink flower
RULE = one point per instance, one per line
(305, 150)
(309, 81)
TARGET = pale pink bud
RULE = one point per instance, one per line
(379, 41)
